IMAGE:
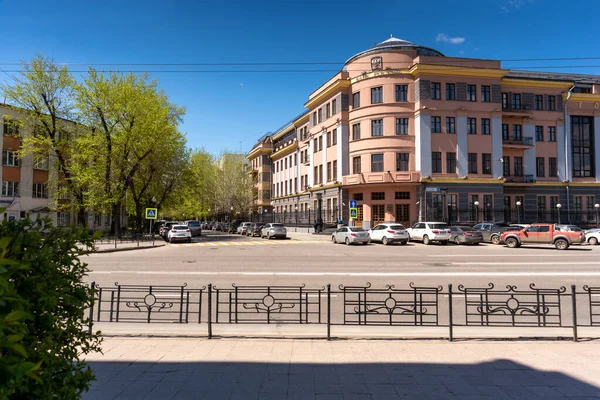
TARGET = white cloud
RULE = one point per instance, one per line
(442, 37)
(514, 5)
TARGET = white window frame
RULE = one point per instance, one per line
(10, 189)
(40, 191)
(10, 158)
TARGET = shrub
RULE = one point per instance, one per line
(43, 327)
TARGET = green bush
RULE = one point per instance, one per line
(44, 329)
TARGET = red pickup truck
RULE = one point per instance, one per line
(542, 234)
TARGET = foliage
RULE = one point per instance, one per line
(43, 299)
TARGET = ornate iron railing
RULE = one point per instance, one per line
(593, 294)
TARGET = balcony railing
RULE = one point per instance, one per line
(520, 179)
(517, 108)
(523, 141)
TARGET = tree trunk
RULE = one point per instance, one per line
(116, 220)
(139, 217)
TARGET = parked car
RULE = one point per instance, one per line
(389, 233)
(558, 235)
(255, 229)
(179, 233)
(243, 228)
(164, 230)
(232, 227)
(273, 230)
(428, 232)
(465, 235)
(351, 235)
(491, 230)
(195, 227)
(592, 236)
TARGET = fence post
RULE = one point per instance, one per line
(329, 311)
(92, 305)
(210, 310)
(450, 321)
(574, 295)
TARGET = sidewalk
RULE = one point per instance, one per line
(309, 237)
(176, 368)
(126, 246)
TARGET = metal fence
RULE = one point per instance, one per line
(362, 306)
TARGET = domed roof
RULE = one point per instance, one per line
(397, 44)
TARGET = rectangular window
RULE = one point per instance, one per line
(436, 91)
(320, 142)
(63, 219)
(334, 172)
(314, 118)
(505, 135)
(356, 100)
(486, 126)
(41, 162)
(355, 131)
(551, 103)
(329, 171)
(402, 161)
(401, 126)
(9, 158)
(334, 137)
(377, 127)
(471, 92)
(506, 165)
(450, 125)
(486, 163)
(471, 126)
(436, 124)
(539, 166)
(401, 92)
(552, 172)
(315, 145)
(472, 163)
(316, 176)
(333, 107)
(320, 115)
(285, 163)
(553, 203)
(582, 146)
(357, 196)
(450, 163)
(539, 102)
(518, 166)
(517, 132)
(504, 100)
(402, 196)
(436, 162)
(377, 95)
(577, 202)
(590, 207)
(327, 110)
(377, 162)
(10, 188)
(539, 133)
(552, 134)
(356, 165)
(11, 127)
(377, 195)
(486, 93)
(450, 91)
(541, 208)
(515, 101)
(328, 139)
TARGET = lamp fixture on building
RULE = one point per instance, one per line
(518, 214)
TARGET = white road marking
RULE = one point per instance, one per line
(211, 244)
(498, 255)
(224, 244)
(367, 274)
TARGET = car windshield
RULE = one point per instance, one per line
(193, 223)
(277, 225)
(438, 226)
(396, 227)
(355, 229)
(178, 227)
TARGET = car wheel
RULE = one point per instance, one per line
(561, 244)
(189, 240)
(347, 242)
(593, 241)
(495, 239)
(512, 243)
(384, 240)
(457, 240)
(365, 243)
(426, 240)
(404, 242)
(333, 239)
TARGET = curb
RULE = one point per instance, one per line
(128, 249)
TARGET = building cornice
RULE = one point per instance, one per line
(536, 83)
(457, 71)
(285, 151)
(594, 98)
(378, 73)
(257, 151)
(464, 181)
(327, 92)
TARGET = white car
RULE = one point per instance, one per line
(389, 233)
(429, 232)
(243, 228)
(179, 233)
(273, 230)
(592, 236)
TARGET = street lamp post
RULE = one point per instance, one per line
(296, 209)
(518, 213)
(597, 207)
(231, 216)
(309, 213)
(152, 221)
(476, 204)
(558, 206)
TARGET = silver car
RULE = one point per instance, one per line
(243, 228)
(273, 230)
(389, 233)
(350, 235)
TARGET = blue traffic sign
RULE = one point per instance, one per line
(151, 213)
(353, 213)
(353, 204)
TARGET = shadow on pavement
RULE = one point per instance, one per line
(499, 379)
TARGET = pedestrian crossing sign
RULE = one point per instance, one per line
(353, 213)
(151, 213)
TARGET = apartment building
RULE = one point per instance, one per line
(411, 134)
(25, 180)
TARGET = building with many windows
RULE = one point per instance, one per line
(411, 134)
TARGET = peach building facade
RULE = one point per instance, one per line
(413, 135)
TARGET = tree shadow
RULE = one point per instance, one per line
(500, 379)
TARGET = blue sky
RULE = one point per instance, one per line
(231, 110)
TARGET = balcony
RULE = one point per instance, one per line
(518, 143)
(381, 177)
(520, 179)
(517, 109)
